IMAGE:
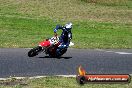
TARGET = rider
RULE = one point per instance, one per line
(65, 41)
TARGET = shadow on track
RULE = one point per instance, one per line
(55, 57)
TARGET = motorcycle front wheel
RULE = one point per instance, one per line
(35, 51)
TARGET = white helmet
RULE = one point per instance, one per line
(68, 25)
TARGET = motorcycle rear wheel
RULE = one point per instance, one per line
(63, 51)
(53, 53)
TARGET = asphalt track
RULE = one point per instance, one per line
(15, 62)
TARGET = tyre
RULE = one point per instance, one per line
(33, 52)
(81, 80)
(52, 51)
(63, 51)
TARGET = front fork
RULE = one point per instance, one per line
(45, 50)
(41, 49)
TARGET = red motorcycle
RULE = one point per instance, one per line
(49, 46)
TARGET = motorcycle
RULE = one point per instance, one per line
(49, 47)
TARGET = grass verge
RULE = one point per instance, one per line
(96, 25)
(23, 32)
(55, 82)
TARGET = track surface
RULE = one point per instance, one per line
(15, 62)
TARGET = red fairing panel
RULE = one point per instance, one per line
(44, 43)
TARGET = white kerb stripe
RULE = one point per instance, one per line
(123, 53)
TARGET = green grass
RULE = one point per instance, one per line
(96, 25)
(23, 32)
(56, 82)
(109, 2)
